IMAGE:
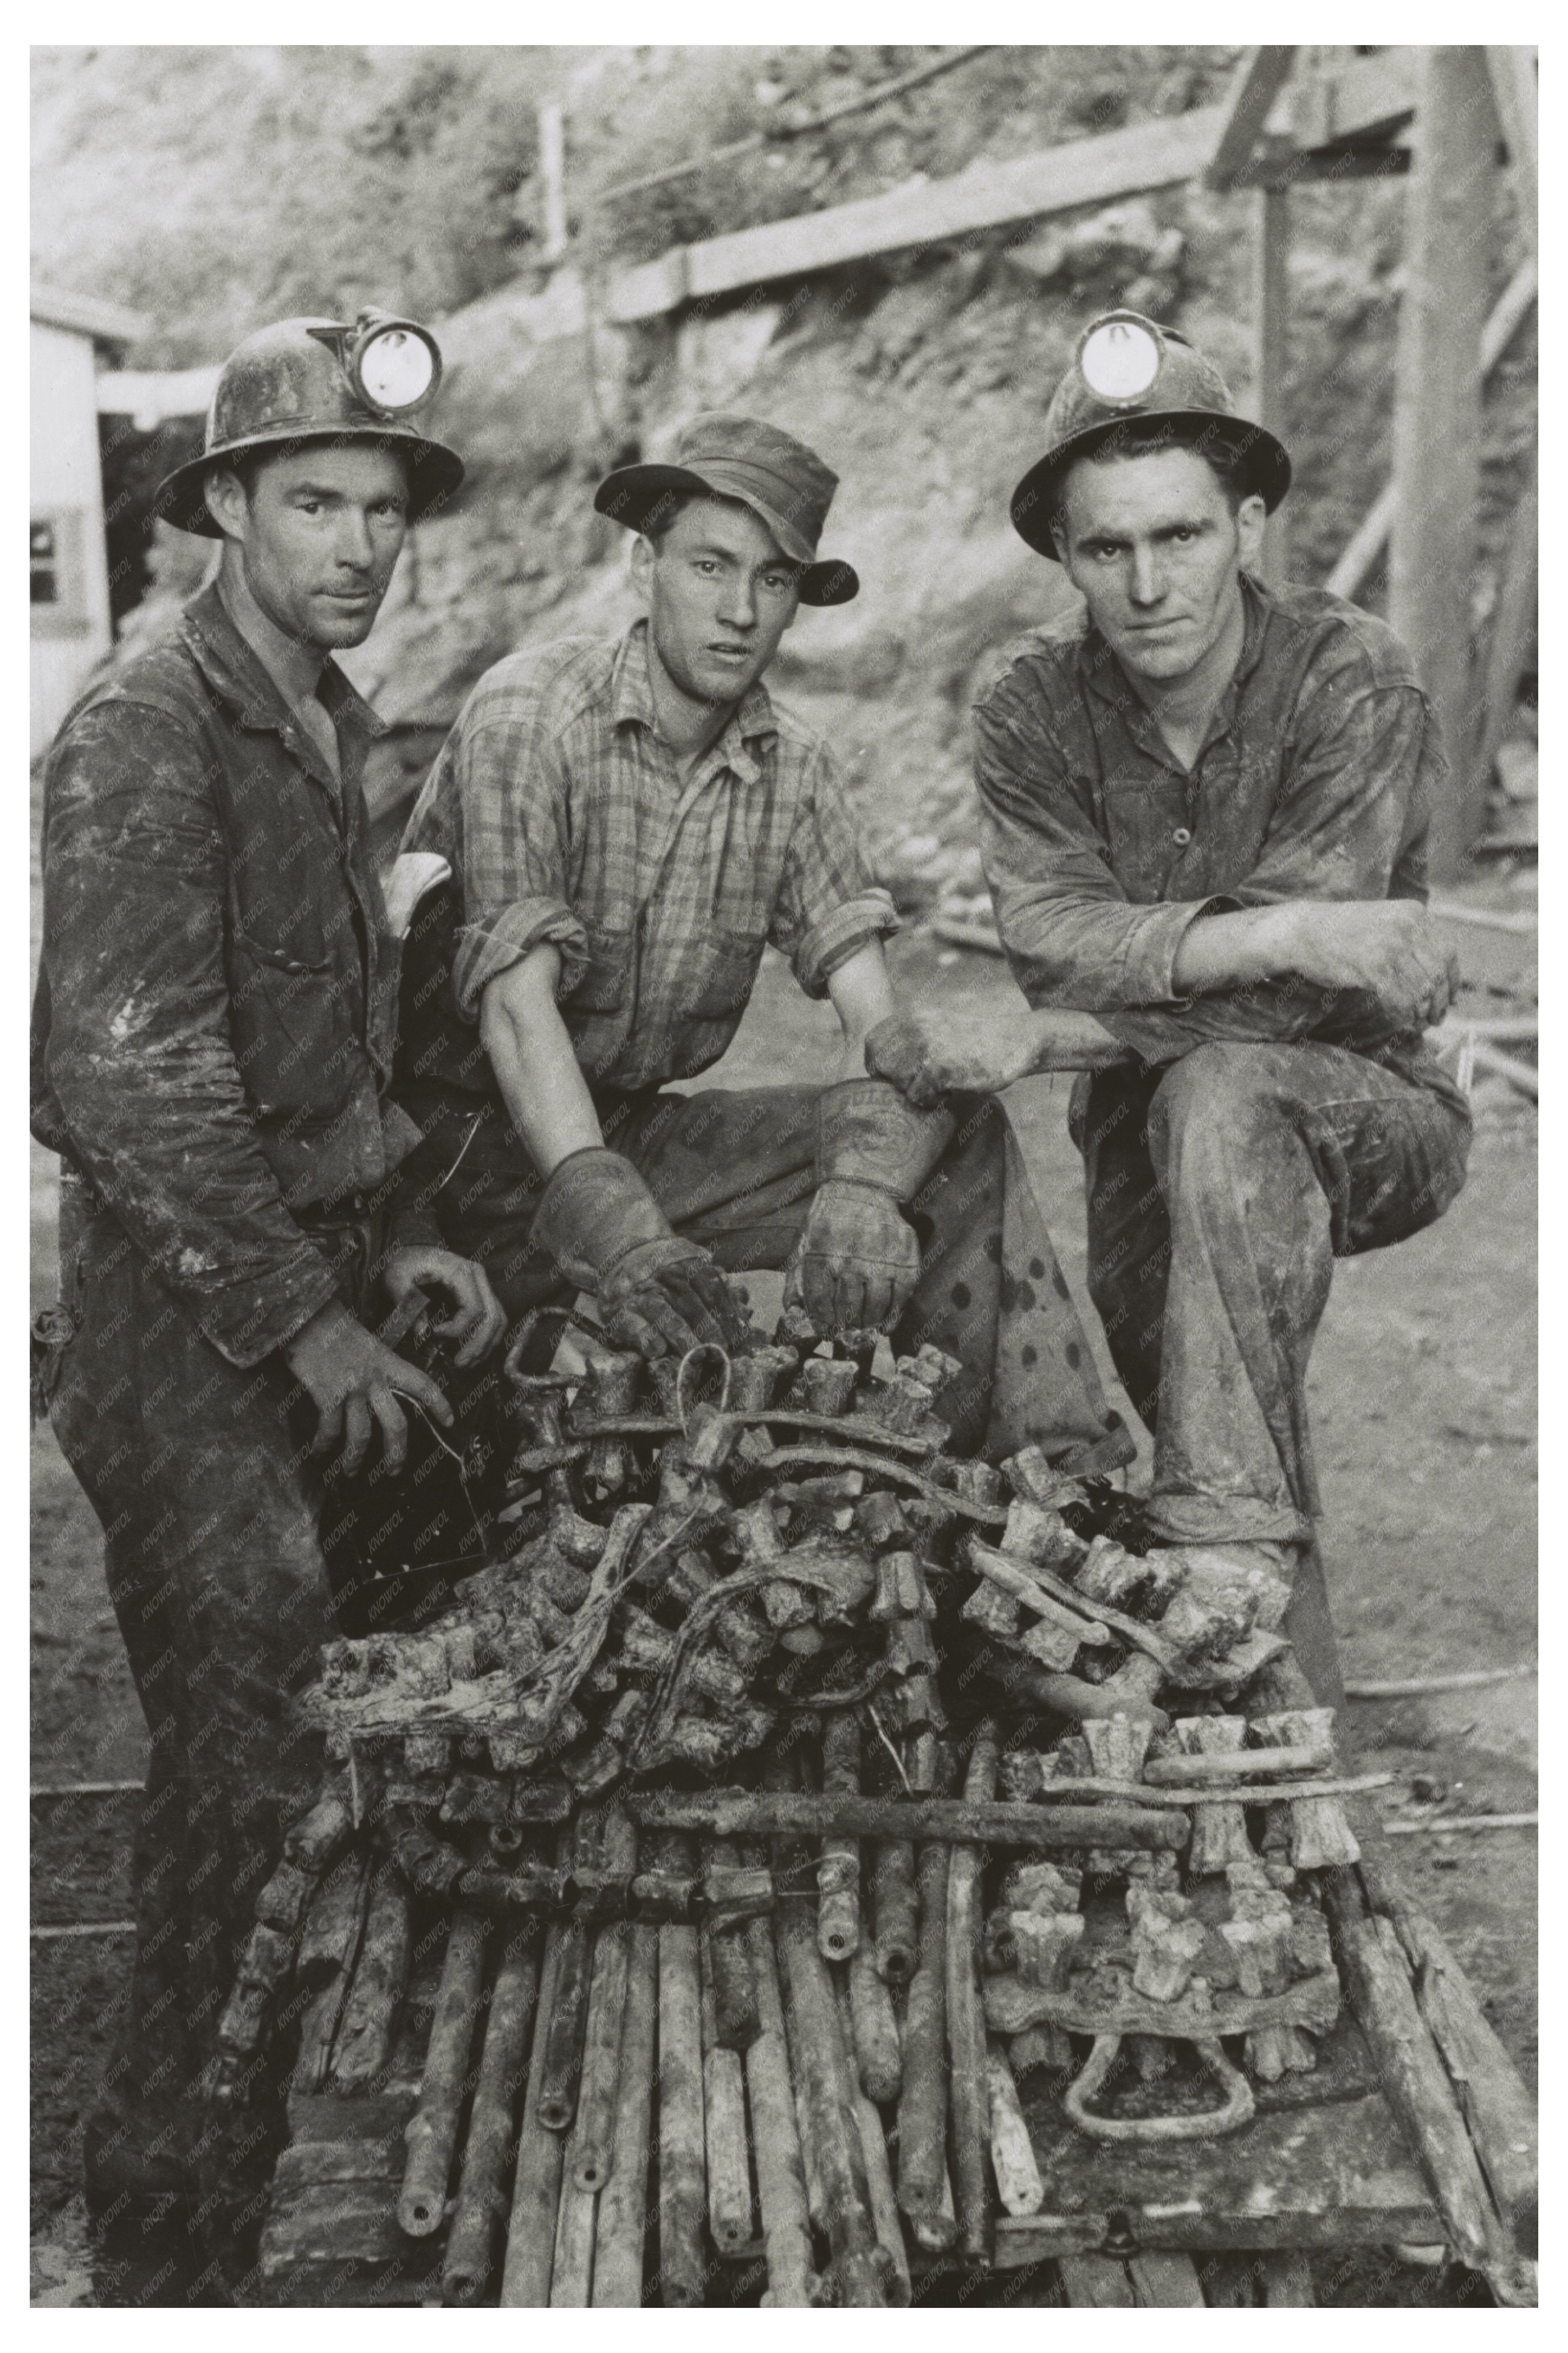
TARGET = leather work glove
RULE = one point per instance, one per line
(926, 1059)
(857, 1261)
(608, 1234)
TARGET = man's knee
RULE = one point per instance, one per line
(1217, 1102)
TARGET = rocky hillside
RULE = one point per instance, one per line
(923, 377)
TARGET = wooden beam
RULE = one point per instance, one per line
(1438, 414)
(1511, 626)
(1144, 156)
(1258, 80)
(1365, 98)
(1514, 90)
(1364, 549)
(1270, 327)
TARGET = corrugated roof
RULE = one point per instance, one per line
(85, 315)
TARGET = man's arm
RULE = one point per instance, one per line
(539, 1078)
(862, 996)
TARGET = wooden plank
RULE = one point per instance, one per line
(1339, 2176)
(1438, 414)
(1285, 2280)
(1143, 157)
(306, 2163)
(1257, 82)
(1097, 2281)
(1363, 99)
(1164, 2282)
(1514, 91)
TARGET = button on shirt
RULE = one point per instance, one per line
(1315, 781)
(565, 818)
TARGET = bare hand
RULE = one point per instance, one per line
(476, 1318)
(352, 1376)
(1389, 946)
(927, 1056)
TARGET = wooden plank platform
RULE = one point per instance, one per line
(1338, 2176)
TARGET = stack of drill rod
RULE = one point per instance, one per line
(697, 1554)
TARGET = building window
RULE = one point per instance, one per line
(56, 584)
(45, 578)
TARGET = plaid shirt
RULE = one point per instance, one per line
(1315, 782)
(564, 818)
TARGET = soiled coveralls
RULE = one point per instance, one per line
(1263, 1133)
(212, 1037)
(565, 819)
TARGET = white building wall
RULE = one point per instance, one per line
(66, 488)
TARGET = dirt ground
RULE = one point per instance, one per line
(1423, 1395)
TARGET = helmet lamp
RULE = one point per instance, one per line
(394, 364)
(1119, 359)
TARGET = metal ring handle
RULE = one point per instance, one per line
(1237, 2111)
(703, 1348)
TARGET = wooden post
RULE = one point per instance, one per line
(1512, 72)
(552, 174)
(1512, 624)
(1270, 322)
(1438, 414)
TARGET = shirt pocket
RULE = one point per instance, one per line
(606, 984)
(726, 974)
(291, 1025)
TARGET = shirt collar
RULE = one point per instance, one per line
(631, 702)
(232, 665)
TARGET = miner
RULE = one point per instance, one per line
(213, 1042)
(631, 821)
(1206, 805)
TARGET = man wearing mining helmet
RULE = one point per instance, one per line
(631, 822)
(1205, 806)
(213, 1039)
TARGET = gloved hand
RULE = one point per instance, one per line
(926, 1060)
(608, 1234)
(857, 1261)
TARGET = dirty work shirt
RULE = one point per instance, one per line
(1315, 781)
(564, 815)
(216, 1013)
(1261, 1133)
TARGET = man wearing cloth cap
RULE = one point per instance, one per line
(631, 822)
(1205, 808)
(213, 1039)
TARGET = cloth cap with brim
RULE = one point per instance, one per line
(284, 389)
(785, 485)
(1131, 377)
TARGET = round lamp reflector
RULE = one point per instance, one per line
(1120, 361)
(396, 368)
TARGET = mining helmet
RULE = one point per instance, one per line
(1129, 372)
(316, 380)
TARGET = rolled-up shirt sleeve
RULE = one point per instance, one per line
(829, 906)
(494, 807)
(1072, 935)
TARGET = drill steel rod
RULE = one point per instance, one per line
(481, 2204)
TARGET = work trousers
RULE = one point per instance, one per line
(1221, 1190)
(209, 1502)
(733, 1170)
